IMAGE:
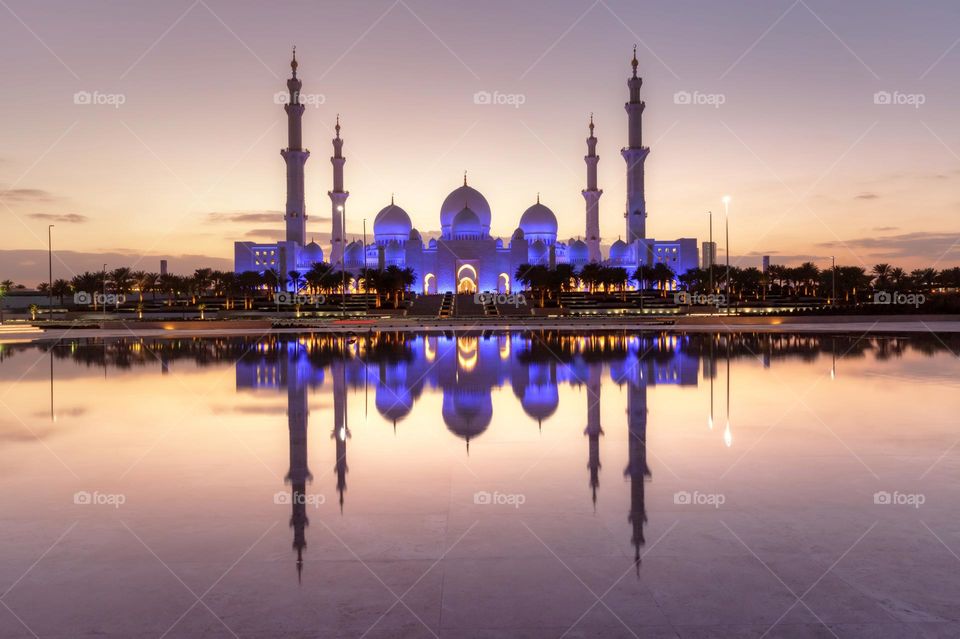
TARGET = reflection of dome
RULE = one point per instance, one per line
(618, 251)
(464, 197)
(393, 402)
(353, 254)
(539, 222)
(578, 252)
(392, 223)
(540, 401)
(467, 412)
(466, 224)
(312, 253)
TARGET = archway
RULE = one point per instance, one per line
(467, 279)
(429, 284)
(503, 284)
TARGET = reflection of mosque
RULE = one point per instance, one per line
(466, 368)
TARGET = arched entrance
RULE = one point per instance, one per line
(429, 284)
(503, 284)
(467, 279)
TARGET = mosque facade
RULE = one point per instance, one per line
(465, 257)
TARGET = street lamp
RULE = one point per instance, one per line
(833, 276)
(104, 294)
(726, 226)
(49, 271)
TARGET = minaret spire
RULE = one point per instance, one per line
(592, 196)
(635, 154)
(338, 200)
(464, 178)
(295, 156)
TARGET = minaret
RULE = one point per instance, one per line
(593, 429)
(635, 154)
(295, 156)
(592, 195)
(338, 199)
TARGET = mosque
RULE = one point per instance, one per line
(466, 257)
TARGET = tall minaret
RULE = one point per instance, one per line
(338, 199)
(295, 156)
(592, 195)
(635, 154)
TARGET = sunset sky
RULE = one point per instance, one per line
(189, 162)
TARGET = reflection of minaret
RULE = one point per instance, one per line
(594, 430)
(637, 469)
(341, 430)
(299, 473)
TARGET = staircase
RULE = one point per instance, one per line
(446, 306)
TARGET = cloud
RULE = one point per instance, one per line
(266, 234)
(867, 196)
(67, 218)
(27, 195)
(884, 229)
(922, 247)
(246, 217)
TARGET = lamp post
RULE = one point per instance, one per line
(713, 256)
(104, 299)
(366, 284)
(833, 280)
(49, 270)
(726, 226)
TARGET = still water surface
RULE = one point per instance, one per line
(534, 484)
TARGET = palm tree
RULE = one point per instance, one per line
(121, 278)
(899, 276)
(881, 274)
(924, 277)
(61, 288)
(590, 275)
(296, 278)
(662, 275)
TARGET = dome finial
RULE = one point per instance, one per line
(538, 197)
(464, 178)
(634, 62)
(391, 199)
(591, 124)
(293, 62)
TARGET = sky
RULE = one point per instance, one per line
(831, 125)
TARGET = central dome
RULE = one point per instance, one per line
(539, 222)
(392, 223)
(466, 223)
(460, 198)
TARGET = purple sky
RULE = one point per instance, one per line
(190, 160)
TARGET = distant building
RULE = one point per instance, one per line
(466, 258)
(163, 267)
(766, 263)
(709, 254)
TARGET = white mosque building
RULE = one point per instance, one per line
(465, 258)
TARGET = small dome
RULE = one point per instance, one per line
(415, 236)
(538, 253)
(540, 222)
(392, 223)
(432, 243)
(466, 223)
(618, 251)
(313, 253)
(353, 254)
(577, 252)
(460, 198)
(499, 243)
(394, 253)
(518, 234)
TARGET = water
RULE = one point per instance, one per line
(531, 484)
